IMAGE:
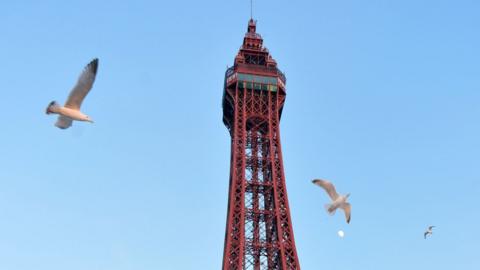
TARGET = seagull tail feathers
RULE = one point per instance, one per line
(330, 209)
(50, 107)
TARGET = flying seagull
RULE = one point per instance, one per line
(338, 201)
(428, 232)
(71, 110)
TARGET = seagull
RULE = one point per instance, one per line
(71, 110)
(338, 201)
(428, 232)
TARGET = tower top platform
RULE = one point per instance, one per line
(254, 58)
(253, 69)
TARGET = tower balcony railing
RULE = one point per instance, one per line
(275, 70)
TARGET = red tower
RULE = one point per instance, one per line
(259, 233)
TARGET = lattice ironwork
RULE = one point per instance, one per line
(259, 233)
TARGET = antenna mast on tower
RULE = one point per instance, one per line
(251, 9)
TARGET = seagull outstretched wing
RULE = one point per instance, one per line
(83, 86)
(329, 187)
(63, 122)
(347, 208)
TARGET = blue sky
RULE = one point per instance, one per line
(382, 99)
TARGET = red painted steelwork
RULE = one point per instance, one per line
(259, 233)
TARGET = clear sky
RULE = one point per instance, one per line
(383, 99)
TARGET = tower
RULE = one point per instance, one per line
(259, 233)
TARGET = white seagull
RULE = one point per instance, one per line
(71, 110)
(338, 201)
(428, 232)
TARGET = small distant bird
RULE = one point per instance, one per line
(71, 110)
(428, 232)
(338, 201)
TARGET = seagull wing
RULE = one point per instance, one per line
(83, 86)
(425, 235)
(431, 227)
(347, 208)
(329, 187)
(63, 122)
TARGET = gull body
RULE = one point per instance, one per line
(67, 112)
(71, 110)
(338, 201)
(429, 231)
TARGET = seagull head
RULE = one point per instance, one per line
(88, 119)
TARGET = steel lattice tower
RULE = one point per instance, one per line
(259, 233)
